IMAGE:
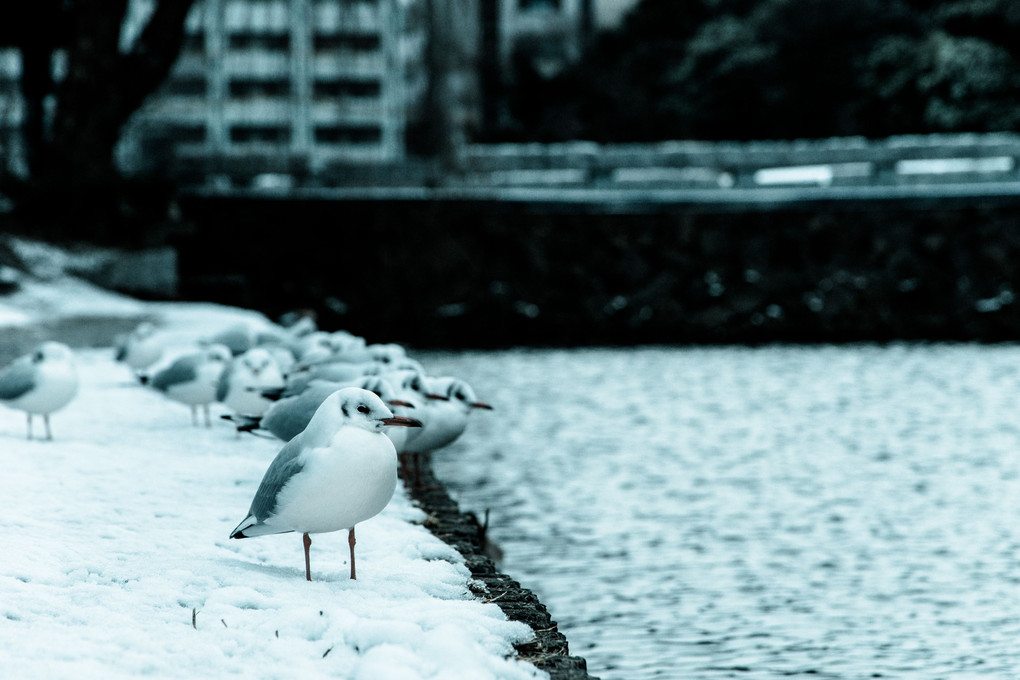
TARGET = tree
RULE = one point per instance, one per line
(780, 69)
(106, 79)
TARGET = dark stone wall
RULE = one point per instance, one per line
(549, 650)
(461, 274)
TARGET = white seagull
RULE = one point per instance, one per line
(241, 385)
(193, 378)
(40, 383)
(449, 403)
(140, 348)
(339, 471)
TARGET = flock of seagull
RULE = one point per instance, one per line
(351, 416)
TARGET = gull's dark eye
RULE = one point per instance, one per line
(363, 409)
(38, 357)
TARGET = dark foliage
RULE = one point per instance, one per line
(780, 69)
(70, 152)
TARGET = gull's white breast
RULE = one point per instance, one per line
(340, 485)
(56, 383)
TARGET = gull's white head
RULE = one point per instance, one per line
(456, 391)
(382, 388)
(355, 407)
(145, 329)
(257, 361)
(52, 351)
(387, 354)
(409, 380)
(218, 353)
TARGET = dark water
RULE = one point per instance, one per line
(833, 512)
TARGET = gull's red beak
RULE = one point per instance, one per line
(401, 421)
(400, 402)
(481, 404)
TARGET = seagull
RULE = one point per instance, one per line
(341, 470)
(193, 378)
(240, 386)
(450, 402)
(40, 383)
(386, 353)
(140, 348)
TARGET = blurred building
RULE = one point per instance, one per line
(278, 92)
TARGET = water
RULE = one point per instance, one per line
(833, 512)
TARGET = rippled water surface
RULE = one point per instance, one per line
(689, 513)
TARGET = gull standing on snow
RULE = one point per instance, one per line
(241, 385)
(40, 383)
(140, 348)
(193, 378)
(341, 470)
(449, 402)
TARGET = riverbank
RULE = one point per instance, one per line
(127, 507)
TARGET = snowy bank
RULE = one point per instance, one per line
(117, 562)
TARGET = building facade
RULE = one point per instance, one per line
(266, 90)
(270, 92)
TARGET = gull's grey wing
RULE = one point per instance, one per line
(223, 386)
(180, 371)
(17, 379)
(237, 340)
(286, 464)
(288, 417)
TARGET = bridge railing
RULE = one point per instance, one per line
(929, 160)
(846, 161)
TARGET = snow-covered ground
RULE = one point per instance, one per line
(116, 562)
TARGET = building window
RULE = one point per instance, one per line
(340, 134)
(355, 89)
(259, 134)
(259, 88)
(352, 42)
(272, 42)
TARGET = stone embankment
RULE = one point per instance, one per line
(549, 650)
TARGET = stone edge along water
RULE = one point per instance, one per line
(549, 651)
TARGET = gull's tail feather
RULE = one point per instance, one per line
(250, 527)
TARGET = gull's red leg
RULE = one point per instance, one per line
(307, 540)
(351, 542)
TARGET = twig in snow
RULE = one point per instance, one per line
(493, 599)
